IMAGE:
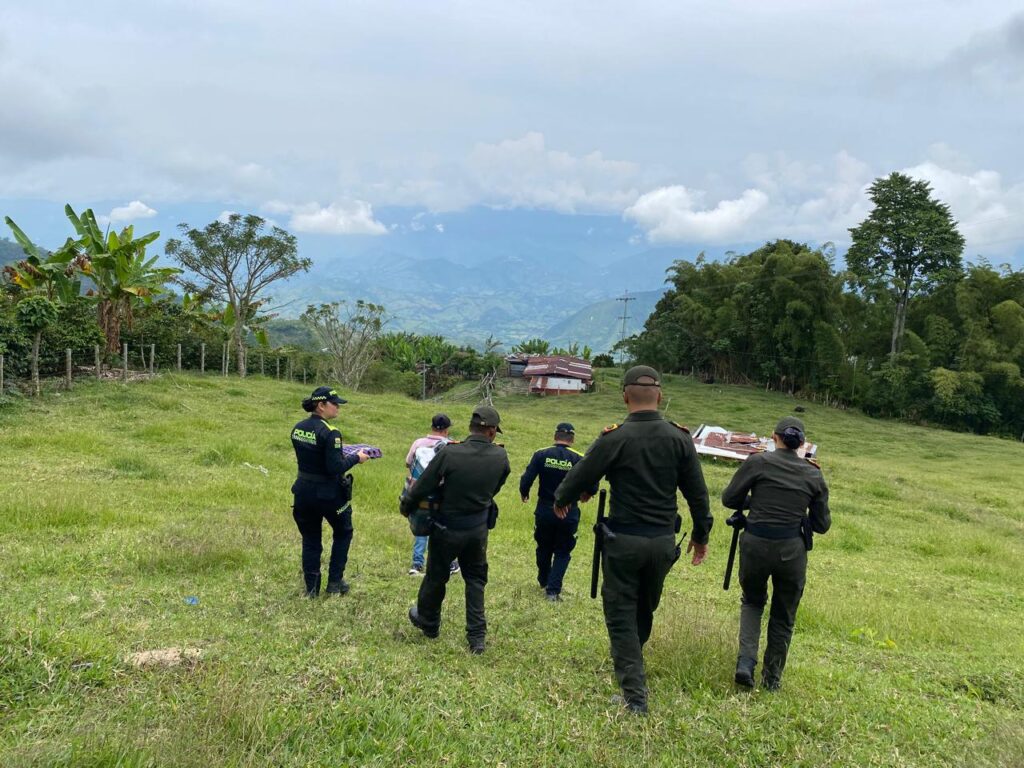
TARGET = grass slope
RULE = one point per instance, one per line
(118, 503)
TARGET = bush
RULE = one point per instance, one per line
(76, 329)
(381, 377)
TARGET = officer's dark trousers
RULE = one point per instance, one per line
(634, 573)
(309, 517)
(784, 561)
(556, 540)
(470, 548)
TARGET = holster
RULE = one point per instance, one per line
(345, 485)
(492, 515)
(807, 533)
(421, 522)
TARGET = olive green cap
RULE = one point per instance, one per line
(637, 372)
(486, 416)
(787, 423)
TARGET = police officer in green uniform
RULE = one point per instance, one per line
(645, 460)
(322, 490)
(788, 499)
(468, 475)
(555, 537)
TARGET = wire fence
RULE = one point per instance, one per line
(143, 361)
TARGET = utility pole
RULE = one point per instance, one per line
(625, 299)
(424, 367)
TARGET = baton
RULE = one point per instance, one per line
(736, 521)
(598, 543)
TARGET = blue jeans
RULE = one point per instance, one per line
(419, 551)
(556, 540)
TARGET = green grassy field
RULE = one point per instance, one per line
(118, 503)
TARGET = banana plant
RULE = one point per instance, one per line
(119, 270)
(55, 275)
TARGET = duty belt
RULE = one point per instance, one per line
(640, 529)
(463, 522)
(773, 531)
(313, 477)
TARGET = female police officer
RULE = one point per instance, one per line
(782, 487)
(323, 490)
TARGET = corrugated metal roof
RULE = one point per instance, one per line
(717, 441)
(573, 367)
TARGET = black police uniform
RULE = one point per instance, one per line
(782, 488)
(556, 538)
(469, 475)
(646, 460)
(322, 491)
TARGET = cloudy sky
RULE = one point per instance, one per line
(705, 123)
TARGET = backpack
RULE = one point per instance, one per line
(421, 458)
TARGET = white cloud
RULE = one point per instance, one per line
(817, 203)
(134, 211)
(676, 214)
(524, 173)
(225, 216)
(439, 228)
(353, 217)
(989, 213)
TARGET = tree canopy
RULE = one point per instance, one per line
(235, 261)
(907, 244)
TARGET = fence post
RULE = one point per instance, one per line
(97, 361)
(303, 375)
(67, 366)
(202, 357)
(152, 356)
(1, 375)
(277, 362)
(124, 374)
(289, 369)
(179, 358)
(263, 371)
(224, 359)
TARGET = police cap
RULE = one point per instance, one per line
(790, 422)
(326, 395)
(485, 416)
(635, 375)
(566, 428)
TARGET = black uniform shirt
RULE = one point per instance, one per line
(551, 465)
(645, 460)
(782, 486)
(318, 449)
(472, 472)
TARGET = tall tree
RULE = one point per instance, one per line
(908, 243)
(350, 335)
(234, 262)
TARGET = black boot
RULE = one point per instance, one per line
(745, 671)
(312, 584)
(339, 587)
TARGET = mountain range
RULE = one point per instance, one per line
(468, 275)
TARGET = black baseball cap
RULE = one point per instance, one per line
(327, 395)
(486, 416)
(637, 372)
(440, 421)
(566, 427)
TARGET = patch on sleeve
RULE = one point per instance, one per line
(812, 462)
(609, 428)
(337, 441)
(677, 424)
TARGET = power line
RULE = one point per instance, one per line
(625, 299)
